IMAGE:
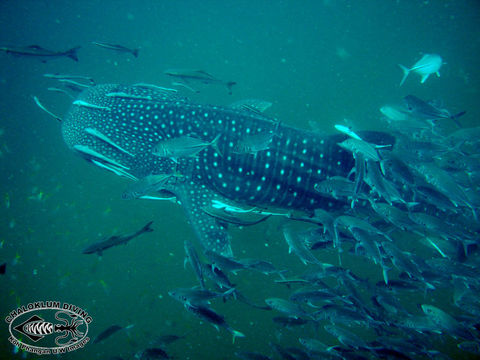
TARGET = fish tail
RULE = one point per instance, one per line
(406, 71)
(147, 227)
(229, 86)
(235, 334)
(456, 116)
(72, 53)
(135, 52)
(214, 144)
(385, 274)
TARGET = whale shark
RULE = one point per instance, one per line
(117, 128)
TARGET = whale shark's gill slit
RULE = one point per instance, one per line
(90, 153)
(99, 135)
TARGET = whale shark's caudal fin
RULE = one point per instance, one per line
(209, 231)
(406, 71)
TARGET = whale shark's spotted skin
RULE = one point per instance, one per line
(116, 127)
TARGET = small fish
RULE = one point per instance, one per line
(288, 322)
(427, 65)
(61, 91)
(40, 52)
(313, 345)
(394, 113)
(3, 268)
(109, 332)
(223, 262)
(336, 187)
(426, 111)
(152, 354)
(287, 307)
(214, 318)
(442, 181)
(116, 47)
(470, 346)
(115, 240)
(70, 77)
(177, 83)
(40, 105)
(201, 76)
(346, 337)
(183, 146)
(7, 201)
(297, 246)
(369, 151)
(146, 185)
(253, 143)
(191, 256)
(265, 267)
(347, 130)
(446, 322)
(74, 84)
(249, 355)
(217, 276)
(311, 295)
(254, 105)
(163, 340)
(102, 137)
(240, 219)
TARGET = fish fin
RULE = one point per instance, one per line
(235, 334)
(229, 86)
(406, 71)
(204, 73)
(385, 274)
(456, 116)
(72, 53)
(211, 234)
(147, 227)
(424, 78)
(214, 144)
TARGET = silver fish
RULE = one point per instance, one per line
(192, 257)
(296, 246)
(41, 53)
(214, 318)
(287, 307)
(427, 65)
(423, 110)
(183, 146)
(116, 47)
(115, 240)
(146, 185)
(253, 143)
(188, 75)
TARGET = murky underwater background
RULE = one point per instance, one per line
(319, 61)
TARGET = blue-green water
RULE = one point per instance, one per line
(319, 61)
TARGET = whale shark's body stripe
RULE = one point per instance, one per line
(281, 176)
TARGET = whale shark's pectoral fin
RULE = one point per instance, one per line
(211, 233)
